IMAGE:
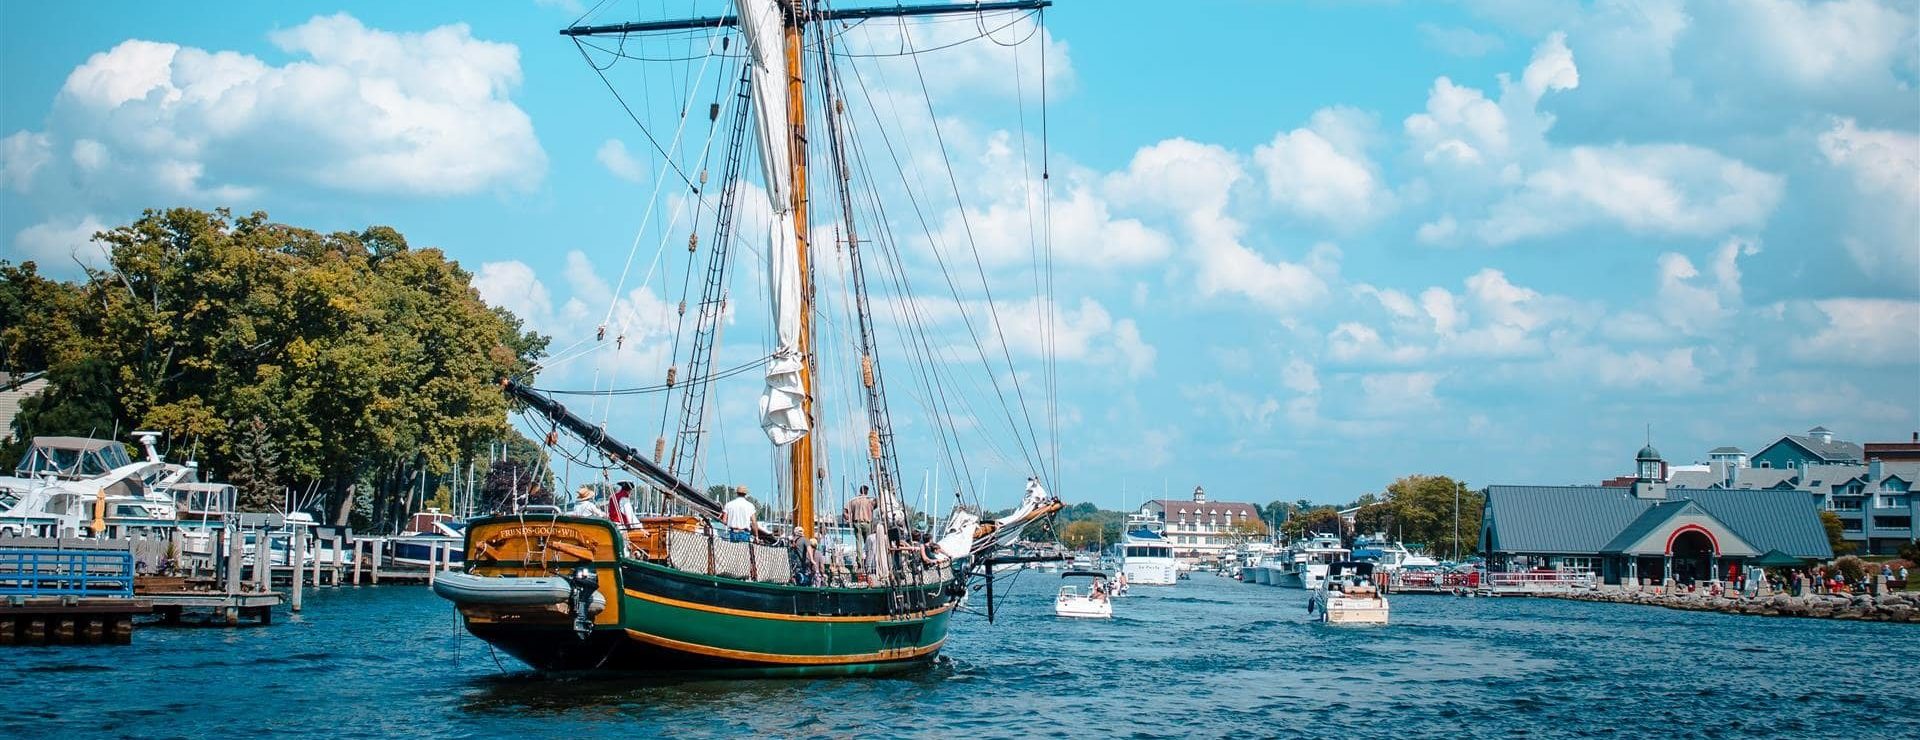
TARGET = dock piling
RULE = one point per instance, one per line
(234, 549)
(296, 552)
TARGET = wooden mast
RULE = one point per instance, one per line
(800, 453)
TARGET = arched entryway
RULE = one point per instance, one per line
(1692, 554)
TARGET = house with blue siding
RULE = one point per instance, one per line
(1816, 447)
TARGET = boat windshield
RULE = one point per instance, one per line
(1149, 551)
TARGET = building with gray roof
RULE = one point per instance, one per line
(1650, 530)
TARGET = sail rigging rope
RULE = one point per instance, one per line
(728, 373)
(992, 310)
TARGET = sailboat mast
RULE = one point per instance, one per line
(800, 453)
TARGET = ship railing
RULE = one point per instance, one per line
(38, 572)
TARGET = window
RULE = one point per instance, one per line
(1891, 501)
(1849, 525)
(1893, 522)
(1846, 504)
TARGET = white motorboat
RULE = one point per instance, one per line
(1348, 596)
(1145, 556)
(1308, 567)
(1389, 556)
(430, 537)
(1094, 603)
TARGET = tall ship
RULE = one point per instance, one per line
(1145, 555)
(830, 572)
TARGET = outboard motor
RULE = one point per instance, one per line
(585, 583)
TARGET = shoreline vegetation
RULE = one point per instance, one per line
(347, 370)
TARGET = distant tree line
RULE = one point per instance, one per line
(1417, 509)
(347, 365)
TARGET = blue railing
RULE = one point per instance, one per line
(66, 573)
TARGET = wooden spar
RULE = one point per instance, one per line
(845, 14)
(800, 453)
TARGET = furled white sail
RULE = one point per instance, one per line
(782, 413)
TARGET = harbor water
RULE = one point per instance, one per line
(1209, 658)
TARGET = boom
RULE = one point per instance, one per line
(621, 453)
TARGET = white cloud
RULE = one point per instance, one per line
(55, 245)
(1193, 182)
(514, 286)
(1392, 394)
(1815, 46)
(1669, 189)
(1322, 171)
(1864, 331)
(1298, 376)
(1698, 308)
(614, 156)
(21, 156)
(358, 110)
(1884, 236)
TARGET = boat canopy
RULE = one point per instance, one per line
(1342, 567)
(72, 457)
(1094, 574)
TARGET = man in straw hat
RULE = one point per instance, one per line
(584, 504)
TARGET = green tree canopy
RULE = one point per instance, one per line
(369, 362)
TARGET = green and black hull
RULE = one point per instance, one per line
(660, 619)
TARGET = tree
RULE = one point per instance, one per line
(76, 402)
(371, 363)
(1836, 533)
(1081, 535)
(1319, 520)
(256, 472)
(1242, 530)
(1423, 511)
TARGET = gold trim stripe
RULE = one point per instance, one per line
(883, 655)
(783, 617)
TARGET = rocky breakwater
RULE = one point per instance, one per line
(1892, 607)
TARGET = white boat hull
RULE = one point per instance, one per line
(1081, 607)
(1343, 610)
(1149, 572)
(1289, 579)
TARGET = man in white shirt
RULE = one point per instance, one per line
(585, 505)
(738, 515)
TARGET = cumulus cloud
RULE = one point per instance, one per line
(1322, 171)
(1864, 331)
(57, 245)
(1193, 182)
(360, 110)
(1497, 161)
(21, 157)
(1884, 166)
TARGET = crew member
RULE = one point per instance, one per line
(739, 517)
(584, 504)
(620, 505)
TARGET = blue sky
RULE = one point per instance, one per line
(1308, 247)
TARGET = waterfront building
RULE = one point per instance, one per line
(1648, 531)
(14, 388)
(1199, 529)
(1816, 447)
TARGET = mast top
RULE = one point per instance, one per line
(719, 21)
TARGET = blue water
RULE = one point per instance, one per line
(1207, 658)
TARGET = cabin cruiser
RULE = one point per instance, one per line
(1145, 555)
(1388, 555)
(1348, 596)
(65, 486)
(1096, 603)
(1308, 566)
(316, 550)
(431, 537)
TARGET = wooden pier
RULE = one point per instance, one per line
(1484, 583)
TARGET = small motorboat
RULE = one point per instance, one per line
(1096, 603)
(1348, 596)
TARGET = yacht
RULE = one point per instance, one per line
(1145, 555)
(66, 486)
(1308, 567)
(1348, 596)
